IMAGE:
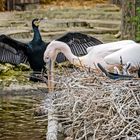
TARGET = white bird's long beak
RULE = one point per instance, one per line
(50, 76)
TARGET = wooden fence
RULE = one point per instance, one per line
(11, 4)
(118, 2)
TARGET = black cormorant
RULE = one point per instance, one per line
(15, 52)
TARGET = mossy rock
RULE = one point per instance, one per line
(5, 67)
(22, 67)
(11, 74)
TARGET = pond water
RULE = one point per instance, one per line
(18, 120)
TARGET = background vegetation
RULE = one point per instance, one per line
(80, 1)
(58, 2)
(137, 23)
(2, 5)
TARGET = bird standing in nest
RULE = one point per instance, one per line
(97, 54)
(104, 54)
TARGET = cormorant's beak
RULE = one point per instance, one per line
(44, 20)
(37, 23)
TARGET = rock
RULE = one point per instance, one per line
(5, 67)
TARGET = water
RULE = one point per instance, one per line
(18, 120)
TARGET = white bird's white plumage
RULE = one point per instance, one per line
(126, 68)
(129, 54)
(99, 52)
(104, 54)
(116, 70)
(89, 49)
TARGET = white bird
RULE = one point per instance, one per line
(95, 55)
(116, 70)
(106, 54)
(126, 68)
(129, 54)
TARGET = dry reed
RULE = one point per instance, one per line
(91, 106)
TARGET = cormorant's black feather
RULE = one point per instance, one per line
(78, 43)
(13, 43)
(12, 51)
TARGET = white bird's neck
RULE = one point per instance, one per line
(64, 48)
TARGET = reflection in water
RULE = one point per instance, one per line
(17, 119)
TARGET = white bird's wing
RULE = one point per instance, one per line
(129, 54)
(89, 49)
(99, 52)
(103, 50)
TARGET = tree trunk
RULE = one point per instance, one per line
(128, 27)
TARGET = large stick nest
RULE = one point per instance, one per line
(91, 106)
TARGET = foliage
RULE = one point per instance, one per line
(131, 20)
(135, 20)
(2, 5)
(46, 1)
(57, 1)
(2, 2)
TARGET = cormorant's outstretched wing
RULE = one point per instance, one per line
(12, 51)
(78, 43)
